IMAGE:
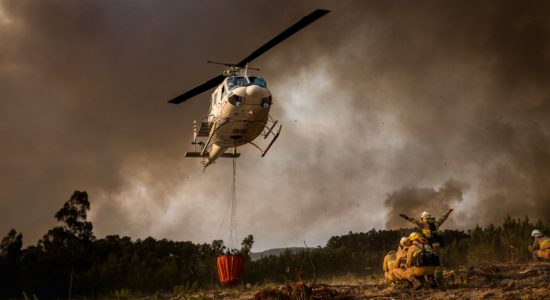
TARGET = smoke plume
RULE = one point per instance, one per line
(381, 102)
(413, 201)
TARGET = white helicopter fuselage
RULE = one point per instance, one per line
(239, 108)
(238, 114)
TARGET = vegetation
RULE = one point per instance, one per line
(69, 258)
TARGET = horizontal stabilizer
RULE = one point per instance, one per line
(224, 155)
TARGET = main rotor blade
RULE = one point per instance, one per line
(305, 21)
(199, 89)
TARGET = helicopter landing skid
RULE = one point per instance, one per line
(273, 140)
(275, 136)
(224, 155)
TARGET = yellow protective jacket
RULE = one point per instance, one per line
(541, 243)
(389, 261)
(401, 257)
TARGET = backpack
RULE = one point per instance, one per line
(425, 257)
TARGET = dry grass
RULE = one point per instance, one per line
(504, 281)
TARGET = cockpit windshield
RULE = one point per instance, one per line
(257, 81)
(233, 82)
(236, 81)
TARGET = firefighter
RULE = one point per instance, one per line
(394, 259)
(401, 258)
(389, 261)
(429, 228)
(401, 253)
(541, 246)
(421, 260)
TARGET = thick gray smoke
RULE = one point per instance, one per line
(377, 98)
(413, 201)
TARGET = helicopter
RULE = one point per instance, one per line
(239, 105)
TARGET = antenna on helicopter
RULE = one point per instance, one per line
(220, 63)
(232, 69)
(305, 21)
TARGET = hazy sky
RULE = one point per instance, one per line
(387, 107)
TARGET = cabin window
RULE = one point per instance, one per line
(214, 99)
(218, 96)
(257, 81)
(233, 82)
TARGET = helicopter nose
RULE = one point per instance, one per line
(254, 91)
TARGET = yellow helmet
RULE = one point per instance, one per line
(415, 236)
(404, 241)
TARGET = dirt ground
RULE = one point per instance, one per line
(490, 281)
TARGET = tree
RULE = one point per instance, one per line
(10, 252)
(67, 246)
(218, 247)
(11, 244)
(246, 246)
(73, 214)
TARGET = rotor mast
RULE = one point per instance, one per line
(232, 69)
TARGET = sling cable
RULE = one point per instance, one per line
(230, 265)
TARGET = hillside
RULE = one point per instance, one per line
(254, 256)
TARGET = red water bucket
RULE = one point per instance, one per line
(230, 268)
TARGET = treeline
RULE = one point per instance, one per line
(362, 253)
(69, 259)
(355, 253)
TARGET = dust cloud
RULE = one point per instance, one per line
(382, 103)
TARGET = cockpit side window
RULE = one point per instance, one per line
(233, 82)
(257, 81)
